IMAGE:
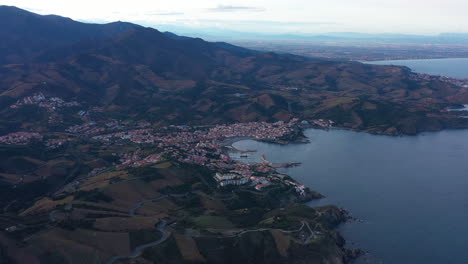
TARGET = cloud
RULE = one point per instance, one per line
(167, 14)
(288, 23)
(148, 13)
(229, 8)
(256, 23)
(240, 29)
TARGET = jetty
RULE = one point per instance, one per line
(278, 165)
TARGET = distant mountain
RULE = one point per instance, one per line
(71, 193)
(225, 34)
(444, 38)
(462, 37)
(132, 72)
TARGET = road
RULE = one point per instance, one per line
(165, 234)
(311, 233)
(138, 250)
(161, 227)
(303, 224)
(272, 229)
(132, 210)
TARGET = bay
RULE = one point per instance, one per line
(410, 192)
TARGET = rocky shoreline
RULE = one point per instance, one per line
(340, 216)
(273, 220)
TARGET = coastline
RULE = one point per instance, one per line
(390, 134)
(386, 132)
(350, 254)
(355, 221)
(408, 59)
(411, 59)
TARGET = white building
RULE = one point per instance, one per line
(230, 179)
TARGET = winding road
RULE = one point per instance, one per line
(311, 233)
(274, 229)
(165, 234)
(303, 224)
(160, 227)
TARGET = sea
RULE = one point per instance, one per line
(409, 194)
(456, 68)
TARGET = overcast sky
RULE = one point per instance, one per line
(271, 16)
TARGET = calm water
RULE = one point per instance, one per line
(410, 192)
(457, 68)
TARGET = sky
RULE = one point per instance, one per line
(423, 17)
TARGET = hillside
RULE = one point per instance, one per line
(26, 35)
(131, 70)
(113, 143)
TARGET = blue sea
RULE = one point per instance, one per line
(456, 68)
(410, 193)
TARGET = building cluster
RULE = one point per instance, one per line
(87, 114)
(323, 123)
(20, 138)
(458, 82)
(97, 171)
(288, 88)
(230, 179)
(94, 128)
(55, 143)
(140, 136)
(186, 136)
(88, 128)
(427, 77)
(201, 147)
(188, 145)
(54, 118)
(257, 130)
(300, 189)
(24, 138)
(39, 99)
(135, 160)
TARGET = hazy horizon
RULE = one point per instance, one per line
(270, 17)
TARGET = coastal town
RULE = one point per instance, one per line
(203, 147)
(463, 83)
(198, 146)
(206, 132)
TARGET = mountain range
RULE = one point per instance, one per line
(141, 73)
(113, 143)
(340, 37)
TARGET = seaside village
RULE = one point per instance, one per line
(463, 83)
(202, 146)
